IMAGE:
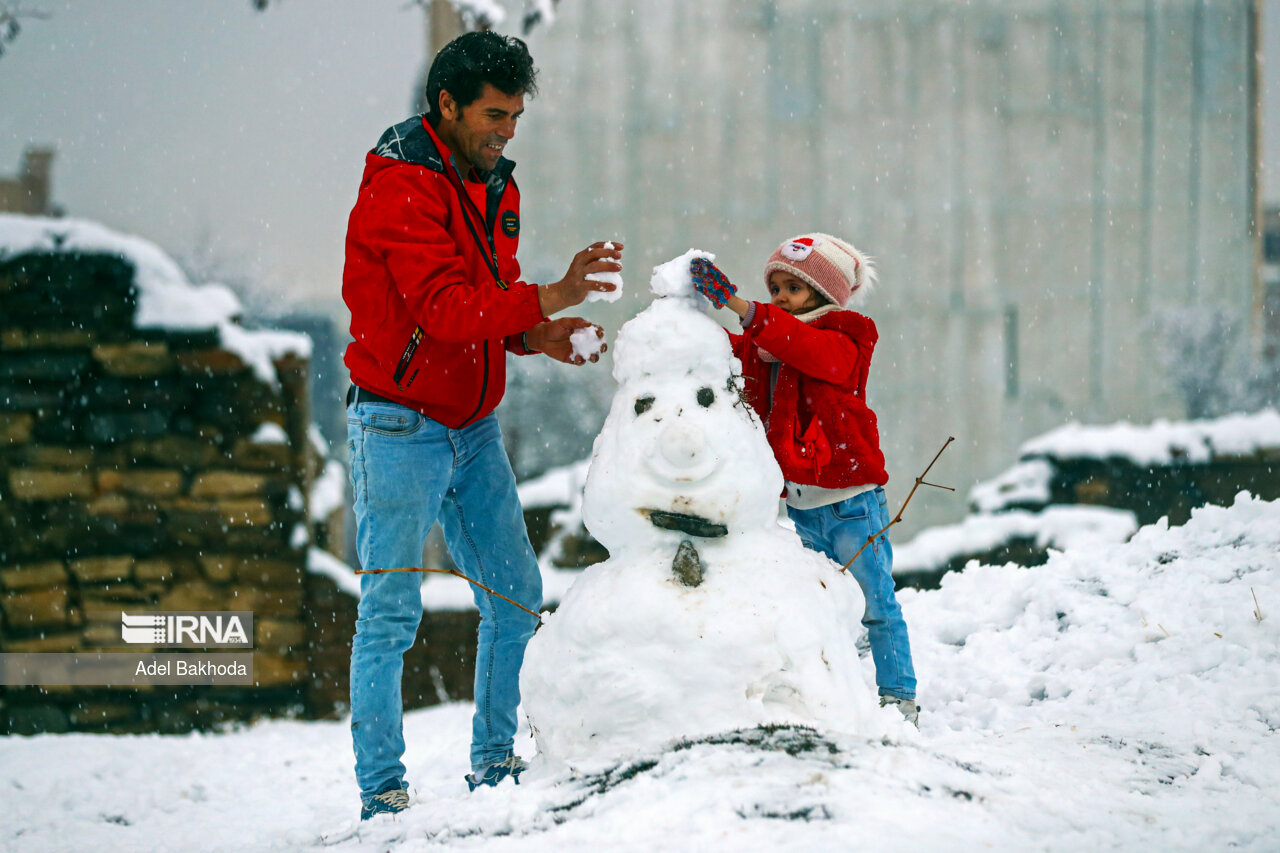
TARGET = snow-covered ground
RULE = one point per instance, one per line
(1120, 696)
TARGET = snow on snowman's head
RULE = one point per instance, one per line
(679, 439)
(673, 341)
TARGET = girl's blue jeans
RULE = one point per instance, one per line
(839, 530)
(408, 472)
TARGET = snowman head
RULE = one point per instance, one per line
(681, 451)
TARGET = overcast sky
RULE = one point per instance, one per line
(176, 120)
(186, 122)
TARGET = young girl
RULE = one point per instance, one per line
(805, 359)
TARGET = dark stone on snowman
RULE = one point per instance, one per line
(684, 523)
(686, 565)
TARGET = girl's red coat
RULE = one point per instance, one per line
(819, 425)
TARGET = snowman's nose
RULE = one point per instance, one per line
(682, 445)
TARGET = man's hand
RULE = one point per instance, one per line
(552, 339)
(574, 287)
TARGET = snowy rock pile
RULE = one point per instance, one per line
(708, 616)
(1081, 484)
(1153, 470)
(1016, 536)
(153, 456)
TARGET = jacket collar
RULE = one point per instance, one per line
(497, 176)
(810, 316)
(415, 141)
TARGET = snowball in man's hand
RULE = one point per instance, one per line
(586, 342)
(614, 278)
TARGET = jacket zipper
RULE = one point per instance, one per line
(491, 257)
(484, 387)
(491, 261)
(407, 356)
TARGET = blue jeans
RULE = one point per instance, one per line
(408, 472)
(839, 530)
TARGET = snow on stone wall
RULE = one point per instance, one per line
(164, 297)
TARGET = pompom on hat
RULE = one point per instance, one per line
(827, 264)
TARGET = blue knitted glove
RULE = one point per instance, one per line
(710, 282)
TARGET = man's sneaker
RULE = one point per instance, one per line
(906, 707)
(513, 765)
(393, 800)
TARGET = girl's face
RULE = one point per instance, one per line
(790, 293)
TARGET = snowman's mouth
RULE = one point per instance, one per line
(693, 525)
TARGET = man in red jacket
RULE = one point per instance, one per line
(436, 303)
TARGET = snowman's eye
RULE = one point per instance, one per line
(644, 404)
(706, 397)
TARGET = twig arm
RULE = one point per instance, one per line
(919, 482)
(456, 574)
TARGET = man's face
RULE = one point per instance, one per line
(478, 132)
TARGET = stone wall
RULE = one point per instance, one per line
(1170, 488)
(134, 475)
(1154, 491)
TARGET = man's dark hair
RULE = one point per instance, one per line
(464, 65)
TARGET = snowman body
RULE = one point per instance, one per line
(708, 616)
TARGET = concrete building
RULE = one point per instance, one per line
(1271, 285)
(30, 191)
(1037, 179)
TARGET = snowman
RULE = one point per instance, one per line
(709, 616)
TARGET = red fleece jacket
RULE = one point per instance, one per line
(431, 321)
(819, 425)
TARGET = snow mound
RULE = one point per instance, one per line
(1053, 719)
(1156, 639)
(1025, 484)
(1162, 442)
(1059, 527)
